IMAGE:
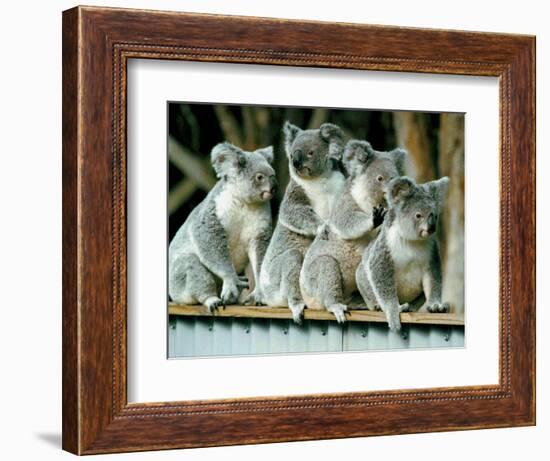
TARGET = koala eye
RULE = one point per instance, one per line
(260, 177)
(418, 215)
(310, 154)
(380, 178)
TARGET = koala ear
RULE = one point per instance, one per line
(226, 157)
(335, 137)
(361, 151)
(438, 189)
(399, 155)
(290, 132)
(399, 189)
(357, 152)
(267, 153)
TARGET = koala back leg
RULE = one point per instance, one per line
(365, 289)
(190, 282)
(324, 281)
(291, 263)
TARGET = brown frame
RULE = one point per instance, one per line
(97, 43)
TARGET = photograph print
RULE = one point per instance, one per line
(296, 230)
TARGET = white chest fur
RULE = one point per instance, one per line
(360, 194)
(322, 192)
(410, 260)
(242, 223)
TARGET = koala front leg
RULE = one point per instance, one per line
(365, 290)
(380, 274)
(297, 214)
(212, 248)
(432, 285)
(256, 253)
(291, 264)
(351, 225)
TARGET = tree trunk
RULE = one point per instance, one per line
(411, 131)
(451, 164)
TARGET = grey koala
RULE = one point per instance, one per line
(228, 229)
(402, 265)
(327, 279)
(315, 180)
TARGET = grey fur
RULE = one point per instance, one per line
(314, 183)
(402, 266)
(327, 279)
(228, 229)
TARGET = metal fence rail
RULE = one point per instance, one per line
(202, 335)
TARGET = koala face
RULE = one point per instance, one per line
(311, 153)
(417, 206)
(250, 173)
(371, 170)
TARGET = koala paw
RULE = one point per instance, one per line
(339, 311)
(394, 322)
(213, 304)
(378, 213)
(231, 290)
(297, 309)
(405, 307)
(437, 307)
(254, 298)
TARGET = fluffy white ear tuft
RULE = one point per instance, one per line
(399, 188)
(438, 189)
(334, 135)
(267, 153)
(290, 132)
(399, 155)
(226, 157)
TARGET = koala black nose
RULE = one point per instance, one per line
(297, 163)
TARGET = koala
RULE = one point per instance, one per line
(327, 278)
(314, 158)
(228, 229)
(402, 265)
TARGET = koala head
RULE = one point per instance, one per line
(311, 153)
(416, 207)
(372, 170)
(250, 172)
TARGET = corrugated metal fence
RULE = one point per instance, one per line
(218, 336)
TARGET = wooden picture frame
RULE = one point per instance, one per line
(97, 43)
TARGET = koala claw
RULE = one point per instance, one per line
(378, 214)
(254, 298)
(438, 307)
(213, 304)
(243, 283)
(230, 292)
(297, 312)
(339, 311)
